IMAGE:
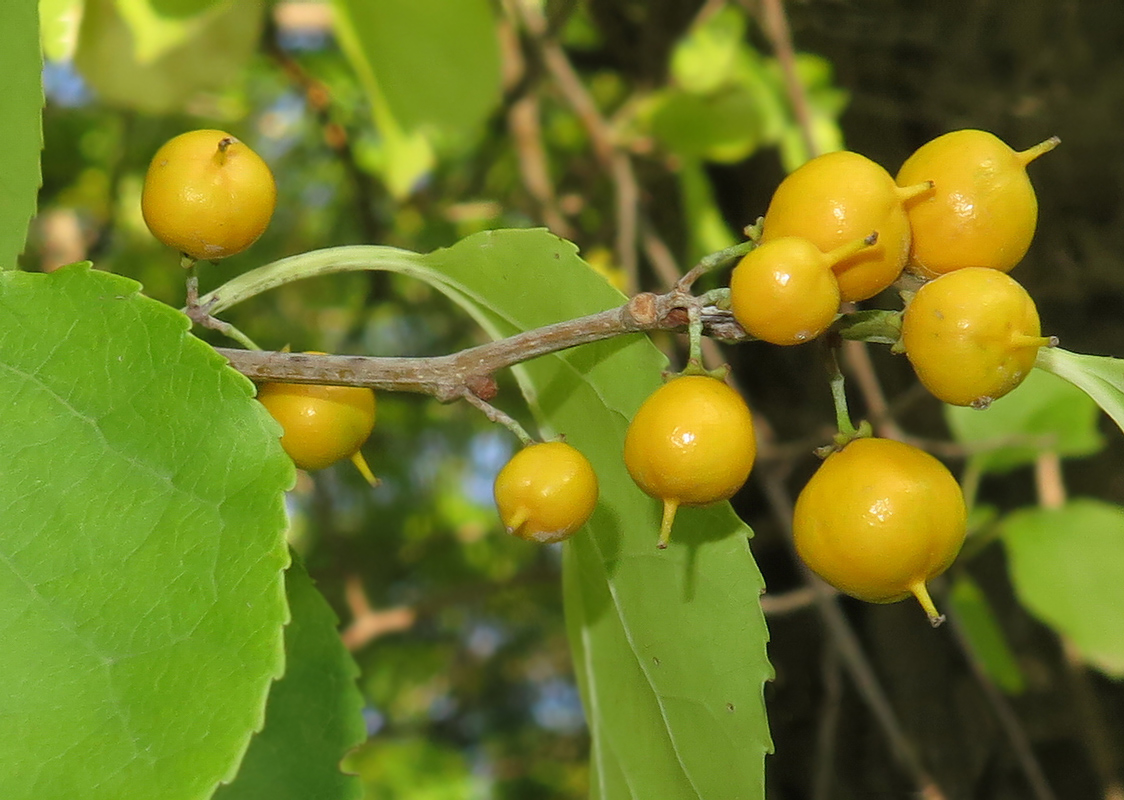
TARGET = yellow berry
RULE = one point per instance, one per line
(691, 443)
(878, 520)
(837, 198)
(972, 335)
(982, 212)
(321, 424)
(784, 291)
(546, 492)
(208, 195)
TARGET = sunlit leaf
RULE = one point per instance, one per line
(435, 62)
(400, 155)
(1044, 414)
(182, 8)
(21, 135)
(668, 643)
(705, 58)
(314, 715)
(141, 547)
(1067, 567)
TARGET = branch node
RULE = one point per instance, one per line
(483, 386)
(643, 309)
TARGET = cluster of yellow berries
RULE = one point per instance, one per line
(879, 518)
(961, 213)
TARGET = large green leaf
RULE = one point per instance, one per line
(314, 716)
(669, 646)
(21, 135)
(136, 58)
(1067, 566)
(1044, 414)
(141, 547)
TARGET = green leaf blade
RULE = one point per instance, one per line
(985, 636)
(314, 715)
(21, 135)
(679, 633)
(436, 62)
(141, 546)
(1067, 567)
(1100, 377)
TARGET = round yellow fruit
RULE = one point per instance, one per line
(322, 424)
(546, 492)
(785, 292)
(879, 519)
(691, 443)
(838, 198)
(972, 335)
(982, 211)
(208, 195)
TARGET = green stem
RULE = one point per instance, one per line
(694, 334)
(712, 262)
(328, 261)
(229, 331)
(497, 416)
(847, 429)
(871, 325)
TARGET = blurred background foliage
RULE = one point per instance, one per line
(649, 133)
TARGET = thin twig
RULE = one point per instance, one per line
(1006, 716)
(823, 778)
(447, 377)
(776, 605)
(775, 23)
(367, 624)
(611, 158)
(526, 135)
(856, 356)
(1048, 480)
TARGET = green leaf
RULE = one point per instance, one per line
(1067, 567)
(669, 646)
(1100, 377)
(723, 127)
(21, 135)
(1044, 414)
(141, 547)
(985, 636)
(314, 715)
(435, 62)
(135, 58)
(706, 57)
(673, 642)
